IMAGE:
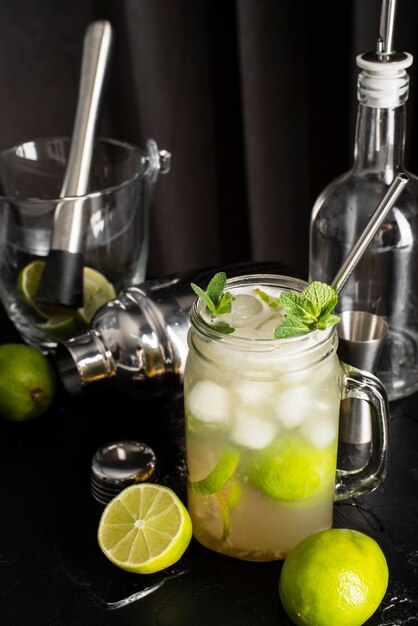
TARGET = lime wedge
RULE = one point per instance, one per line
(28, 284)
(62, 322)
(97, 290)
(145, 529)
(60, 326)
(219, 476)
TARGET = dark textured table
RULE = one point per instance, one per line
(52, 571)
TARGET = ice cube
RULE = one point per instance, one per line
(210, 402)
(247, 312)
(293, 406)
(252, 392)
(320, 433)
(250, 431)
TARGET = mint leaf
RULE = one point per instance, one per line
(223, 327)
(307, 310)
(215, 288)
(216, 299)
(225, 304)
(273, 303)
(290, 327)
(297, 306)
(328, 320)
(331, 305)
(321, 296)
(202, 294)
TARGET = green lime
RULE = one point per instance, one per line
(27, 382)
(60, 326)
(219, 476)
(97, 290)
(145, 529)
(292, 470)
(28, 282)
(63, 322)
(333, 576)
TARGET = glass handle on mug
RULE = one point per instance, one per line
(358, 384)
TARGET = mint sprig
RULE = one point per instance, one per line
(307, 310)
(217, 300)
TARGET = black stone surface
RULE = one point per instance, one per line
(52, 571)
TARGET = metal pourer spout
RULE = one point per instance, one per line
(386, 27)
(385, 53)
(384, 83)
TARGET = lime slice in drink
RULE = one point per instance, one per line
(219, 476)
(225, 515)
(145, 529)
(292, 471)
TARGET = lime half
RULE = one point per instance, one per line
(145, 529)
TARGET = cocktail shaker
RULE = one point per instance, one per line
(138, 342)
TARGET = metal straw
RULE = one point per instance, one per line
(369, 232)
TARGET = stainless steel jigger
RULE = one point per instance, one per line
(361, 336)
(118, 465)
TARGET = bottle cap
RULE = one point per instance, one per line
(383, 83)
(119, 464)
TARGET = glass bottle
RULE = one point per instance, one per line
(385, 281)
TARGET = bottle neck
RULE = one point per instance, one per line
(380, 140)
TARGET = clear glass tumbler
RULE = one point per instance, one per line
(115, 239)
(262, 419)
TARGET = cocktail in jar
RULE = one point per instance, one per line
(262, 425)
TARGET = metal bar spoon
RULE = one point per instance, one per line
(62, 279)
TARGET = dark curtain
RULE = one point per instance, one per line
(256, 100)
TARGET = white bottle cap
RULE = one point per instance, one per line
(383, 83)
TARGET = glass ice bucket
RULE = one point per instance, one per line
(115, 237)
(262, 421)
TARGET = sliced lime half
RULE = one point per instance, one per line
(145, 529)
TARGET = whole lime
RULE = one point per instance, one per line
(336, 576)
(27, 382)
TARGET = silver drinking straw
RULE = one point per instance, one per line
(369, 232)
